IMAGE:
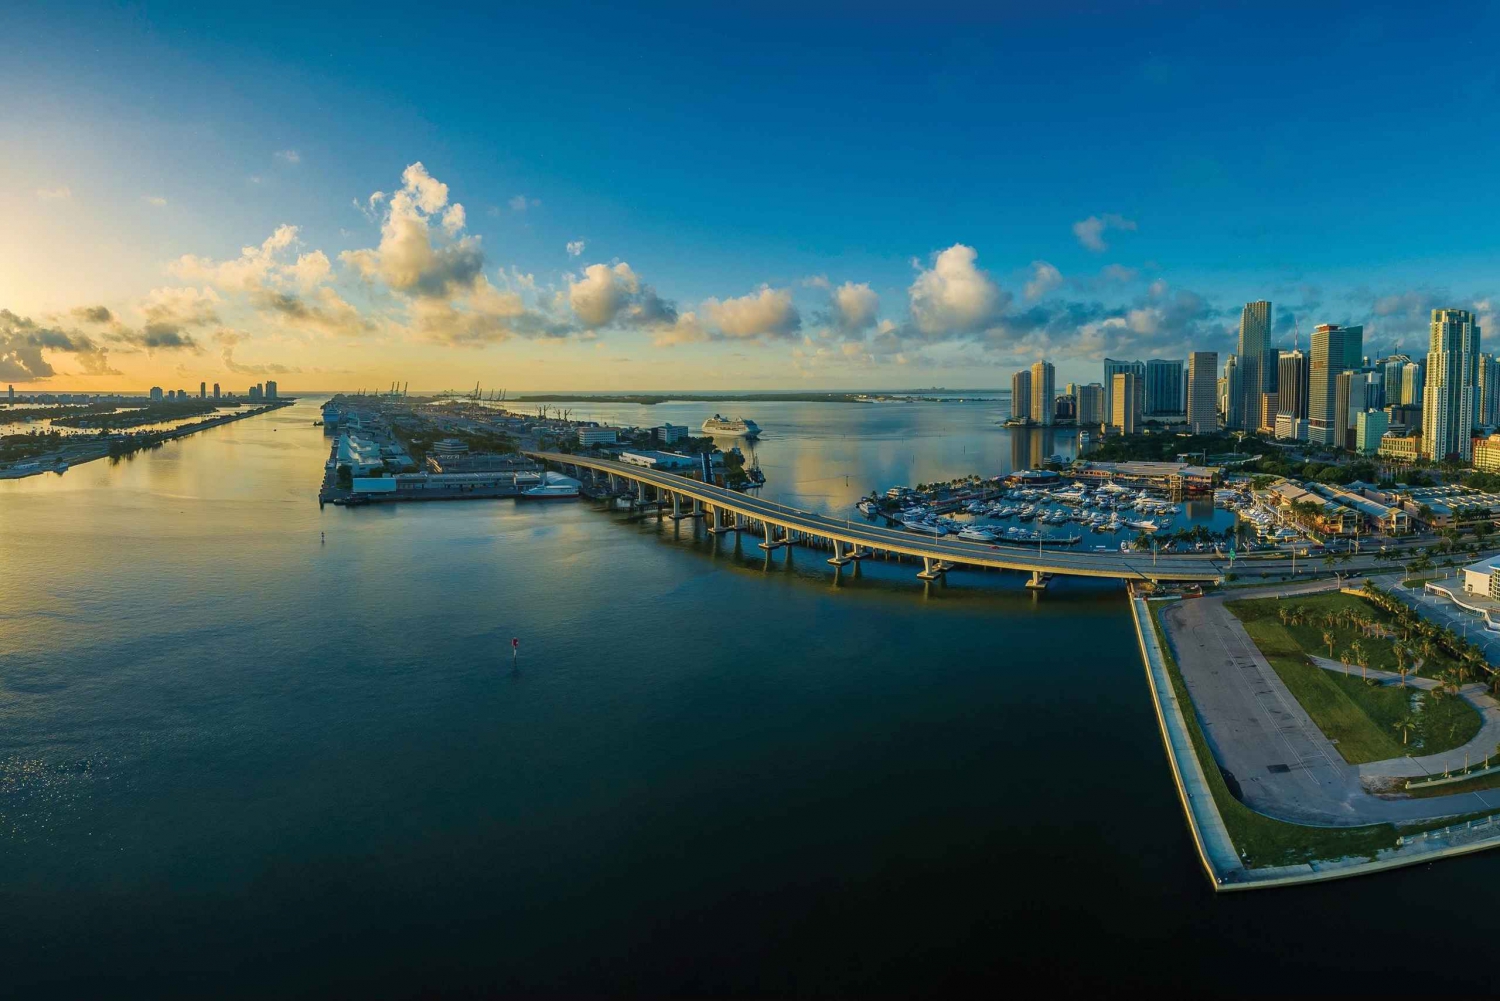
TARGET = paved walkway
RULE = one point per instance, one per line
(1472, 753)
(1267, 746)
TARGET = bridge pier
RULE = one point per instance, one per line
(931, 570)
(839, 559)
(771, 541)
(697, 508)
(1039, 580)
(677, 507)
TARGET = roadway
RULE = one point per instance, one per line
(849, 532)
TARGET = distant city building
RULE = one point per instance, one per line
(1350, 393)
(1255, 366)
(1020, 395)
(1291, 428)
(1407, 417)
(659, 460)
(1065, 408)
(1234, 388)
(270, 390)
(202, 390)
(1487, 453)
(10, 393)
(1091, 404)
(670, 434)
(1392, 368)
(1112, 368)
(1369, 429)
(1043, 397)
(1324, 423)
(589, 435)
(1489, 391)
(1291, 384)
(1354, 346)
(1448, 417)
(1163, 386)
(1413, 378)
(1402, 448)
(1127, 412)
(1202, 413)
(216, 390)
(255, 392)
(156, 394)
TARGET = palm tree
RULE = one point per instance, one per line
(1344, 659)
(1359, 658)
(1328, 638)
(1404, 724)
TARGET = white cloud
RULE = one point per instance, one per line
(770, 312)
(520, 203)
(453, 219)
(1118, 273)
(1044, 278)
(953, 296)
(602, 293)
(1090, 231)
(407, 259)
(855, 307)
(288, 156)
(154, 200)
(575, 247)
(54, 194)
(254, 268)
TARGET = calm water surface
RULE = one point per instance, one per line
(234, 760)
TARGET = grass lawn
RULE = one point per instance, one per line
(1262, 840)
(1360, 717)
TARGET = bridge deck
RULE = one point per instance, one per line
(857, 532)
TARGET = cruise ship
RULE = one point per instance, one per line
(718, 424)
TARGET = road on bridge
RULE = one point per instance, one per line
(1125, 566)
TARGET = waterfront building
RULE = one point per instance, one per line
(1020, 395)
(1202, 416)
(1163, 386)
(1091, 404)
(1043, 396)
(1066, 408)
(1451, 388)
(202, 390)
(1112, 368)
(1369, 428)
(10, 393)
(216, 390)
(270, 389)
(1488, 410)
(670, 434)
(1127, 413)
(155, 394)
(1486, 451)
(590, 435)
(1255, 365)
(255, 392)
(1324, 426)
(1402, 448)
(659, 460)
(1291, 384)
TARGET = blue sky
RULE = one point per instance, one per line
(1144, 169)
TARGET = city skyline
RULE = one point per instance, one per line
(165, 228)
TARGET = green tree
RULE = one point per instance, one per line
(344, 477)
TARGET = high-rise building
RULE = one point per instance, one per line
(1413, 377)
(1113, 367)
(156, 394)
(1449, 398)
(1327, 360)
(202, 390)
(216, 390)
(270, 389)
(1234, 392)
(1369, 428)
(1349, 390)
(1392, 367)
(1489, 391)
(1291, 384)
(1163, 386)
(1127, 413)
(1354, 347)
(1255, 365)
(1090, 404)
(1043, 396)
(255, 392)
(1020, 395)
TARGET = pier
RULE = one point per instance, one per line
(778, 525)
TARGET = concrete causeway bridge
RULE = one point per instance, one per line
(852, 539)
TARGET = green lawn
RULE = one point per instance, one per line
(1360, 717)
(1262, 840)
(1309, 634)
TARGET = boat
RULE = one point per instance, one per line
(971, 534)
(738, 427)
(1145, 525)
(554, 486)
(868, 509)
(925, 527)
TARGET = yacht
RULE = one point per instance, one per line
(720, 425)
(554, 486)
(868, 508)
(925, 527)
(972, 534)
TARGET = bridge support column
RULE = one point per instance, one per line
(839, 559)
(931, 570)
(1038, 581)
(676, 507)
(856, 553)
(640, 491)
(697, 508)
(771, 541)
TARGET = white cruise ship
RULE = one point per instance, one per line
(740, 427)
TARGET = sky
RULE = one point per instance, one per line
(623, 197)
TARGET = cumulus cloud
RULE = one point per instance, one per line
(487, 315)
(1044, 278)
(407, 260)
(602, 293)
(1118, 273)
(855, 307)
(575, 248)
(1090, 231)
(22, 342)
(228, 340)
(953, 296)
(93, 314)
(54, 194)
(255, 268)
(520, 203)
(321, 310)
(767, 313)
